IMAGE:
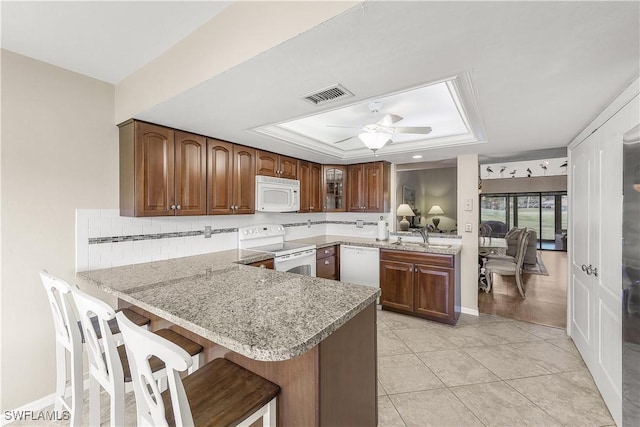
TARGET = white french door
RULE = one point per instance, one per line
(596, 254)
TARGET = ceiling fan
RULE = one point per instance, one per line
(379, 134)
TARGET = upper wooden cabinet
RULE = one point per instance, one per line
(368, 187)
(333, 184)
(230, 178)
(310, 176)
(271, 164)
(162, 171)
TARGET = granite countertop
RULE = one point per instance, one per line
(262, 314)
(454, 241)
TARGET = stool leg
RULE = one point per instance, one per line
(76, 388)
(61, 376)
(94, 402)
(117, 405)
(196, 363)
(269, 419)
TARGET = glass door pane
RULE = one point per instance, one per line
(528, 212)
(493, 210)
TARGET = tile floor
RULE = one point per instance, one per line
(486, 370)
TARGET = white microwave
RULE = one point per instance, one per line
(277, 194)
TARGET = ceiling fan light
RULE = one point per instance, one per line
(374, 140)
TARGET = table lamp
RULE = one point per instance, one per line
(404, 210)
(436, 210)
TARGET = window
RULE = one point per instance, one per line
(546, 213)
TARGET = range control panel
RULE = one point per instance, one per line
(260, 231)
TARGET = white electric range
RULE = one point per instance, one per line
(297, 258)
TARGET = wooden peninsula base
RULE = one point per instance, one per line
(333, 384)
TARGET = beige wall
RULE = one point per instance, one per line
(59, 153)
(432, 187)
(468, 190)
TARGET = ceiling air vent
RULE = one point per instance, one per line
(327, 94)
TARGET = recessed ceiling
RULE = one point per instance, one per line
(438, 106)
(540, 71)
(106, 40)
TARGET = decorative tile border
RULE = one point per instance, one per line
(156, 236)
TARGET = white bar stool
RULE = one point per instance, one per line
(220, 393)
(68, 342)
(108, 364)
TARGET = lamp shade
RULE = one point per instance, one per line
(404, 210)
(374, 140)
(436, 210)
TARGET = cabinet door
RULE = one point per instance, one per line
(355, 178)
(333, 188)
(315, 190)
(190, 174)
(396, 283)
(434, 292)
(266, 163)
(304, 169)
(219, 177)
(288, 167)
(244, 179)
(373, 191)
(154, 165)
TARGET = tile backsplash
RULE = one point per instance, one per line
(105, 239)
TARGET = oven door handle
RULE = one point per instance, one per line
(297, 255)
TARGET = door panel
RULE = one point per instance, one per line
(244, 179)
(433, 291)
(220, 177)
(266, 163)
(190, 174)
(305, 186)
(581, 301)
(288, 167)
(154, 159)
(396, 283)
(355, 183)
(373, 176)
(315, 188)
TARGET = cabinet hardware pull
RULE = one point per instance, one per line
(326, 262)
(173, 207)
(584, 268)
(326, 251)
(178, 207)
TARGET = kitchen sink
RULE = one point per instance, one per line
(421, 245)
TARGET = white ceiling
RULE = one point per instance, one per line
(106, 40)
(538, 72)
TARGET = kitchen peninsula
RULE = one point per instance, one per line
(315, 338)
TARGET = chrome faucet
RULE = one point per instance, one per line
(424, 233)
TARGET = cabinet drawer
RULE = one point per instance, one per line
(268, 263)
(326, 268)
(325, 252)
(441, 260)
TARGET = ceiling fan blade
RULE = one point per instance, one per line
(343, 140)
(421, 130)
(389, 119)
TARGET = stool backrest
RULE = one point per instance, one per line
(141, 345)
(107, 367)
(62, 310)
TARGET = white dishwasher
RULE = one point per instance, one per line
(360, 265)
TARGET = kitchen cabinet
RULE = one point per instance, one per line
(327, 263)
(230, 178)
(162, 171)
(271, 164)
(420, 284)
(267, 263)
(333, 188)
(369, 187)
(310, 175)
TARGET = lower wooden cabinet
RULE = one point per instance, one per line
(420, 284)
(267, 263)
(327, 263)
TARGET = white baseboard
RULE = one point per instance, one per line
(471, 311)
(40, 404)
